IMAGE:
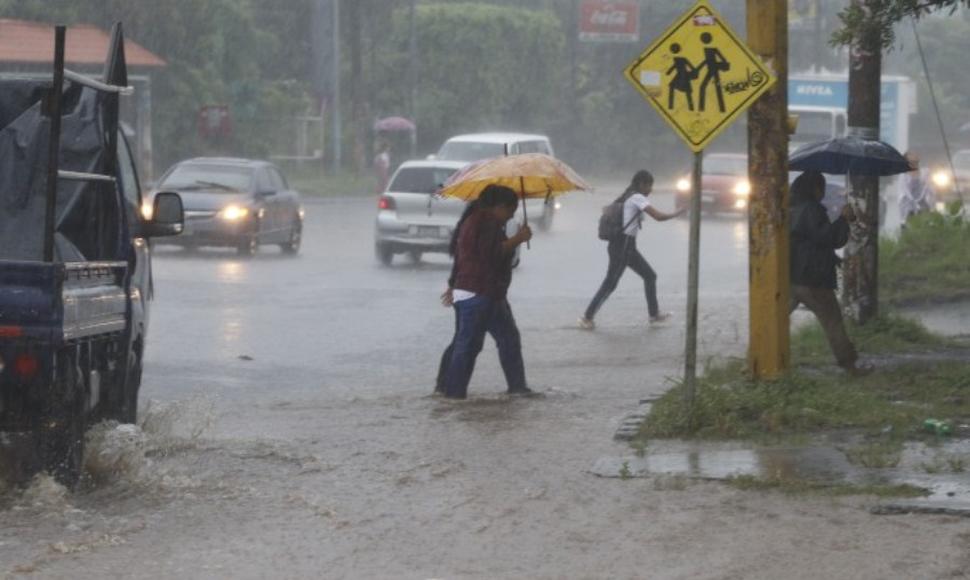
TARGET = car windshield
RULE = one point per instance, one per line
(726, 165)
(420, 179)
(217, 178)
(470, 151)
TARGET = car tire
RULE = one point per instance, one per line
(248, 246)
(384, 253)
(415, 256)
(292, 246)
(61, 433)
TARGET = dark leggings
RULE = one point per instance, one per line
(624, 254)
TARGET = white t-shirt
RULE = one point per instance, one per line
(634, 206)
(458, 295)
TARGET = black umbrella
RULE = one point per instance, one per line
(849, 155)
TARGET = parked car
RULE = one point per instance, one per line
(411, 219)
(724, 184)
(239, 203)
(477, 146)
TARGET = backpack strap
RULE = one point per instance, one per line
(622, 200)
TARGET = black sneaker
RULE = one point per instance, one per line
(521, 392)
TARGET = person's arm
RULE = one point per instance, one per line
(661, 216)
(814, 225)
(522, 236)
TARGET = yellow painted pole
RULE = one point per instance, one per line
(769, 353)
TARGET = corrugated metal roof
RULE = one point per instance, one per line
(33, 42)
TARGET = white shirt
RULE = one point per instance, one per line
(634, 207)
(459, 295)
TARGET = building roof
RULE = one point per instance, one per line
(33, 42)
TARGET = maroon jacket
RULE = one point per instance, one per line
(481, 265)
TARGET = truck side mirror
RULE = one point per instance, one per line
(168, 217)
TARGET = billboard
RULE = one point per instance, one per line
(606, 21)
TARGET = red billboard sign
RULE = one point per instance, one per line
(606, 21)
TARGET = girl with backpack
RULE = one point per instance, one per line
(622, 246)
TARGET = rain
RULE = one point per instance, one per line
(287, 422)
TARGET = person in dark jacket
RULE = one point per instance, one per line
(478, 290)
(814, 240)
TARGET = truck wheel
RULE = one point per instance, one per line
(416, 256)
(128, 409)
(384, 252)
(61, 434)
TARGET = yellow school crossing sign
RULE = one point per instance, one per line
(699, 76)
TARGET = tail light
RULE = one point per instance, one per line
(11, 331)
(26, 366)
(386, 202)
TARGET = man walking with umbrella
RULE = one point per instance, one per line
(814, 240)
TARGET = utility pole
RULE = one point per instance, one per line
(860, 271)
(336, 121)
(769, 353)
(413, 74)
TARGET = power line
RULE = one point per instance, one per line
(936, 108)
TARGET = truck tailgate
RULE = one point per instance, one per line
(61, 302)
(94, 299)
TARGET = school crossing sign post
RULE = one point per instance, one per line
(699, 77)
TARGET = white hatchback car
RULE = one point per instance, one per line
(410, 218)
(477, 146)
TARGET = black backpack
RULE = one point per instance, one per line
(611, 221)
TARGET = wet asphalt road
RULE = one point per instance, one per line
(287, 431)
(332, 322)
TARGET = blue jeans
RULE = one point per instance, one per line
(476, 317)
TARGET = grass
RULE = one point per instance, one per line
(887, 334)
(731, 405)
(317, 182)
(806, 487)
(928, 262)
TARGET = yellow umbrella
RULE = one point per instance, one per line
(530, 175)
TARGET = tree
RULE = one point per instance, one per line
(868, 28)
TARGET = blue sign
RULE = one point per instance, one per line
(834, 94)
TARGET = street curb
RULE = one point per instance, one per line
(630, 425)
(929, 507)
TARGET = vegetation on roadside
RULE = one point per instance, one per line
(318, 182)
(928, 262)
(731, 405)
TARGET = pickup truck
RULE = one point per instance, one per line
(75, 261)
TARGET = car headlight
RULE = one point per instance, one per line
(941, 178)
(742, 188)
(683, 184)
(233, 213)
(147, 210)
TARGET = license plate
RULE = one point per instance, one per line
(709, 197)
(429, 231)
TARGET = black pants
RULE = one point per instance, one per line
(624, 254)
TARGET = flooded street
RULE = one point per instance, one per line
(287, 431)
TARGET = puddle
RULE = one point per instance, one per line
(942, 469)
(947, 319)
